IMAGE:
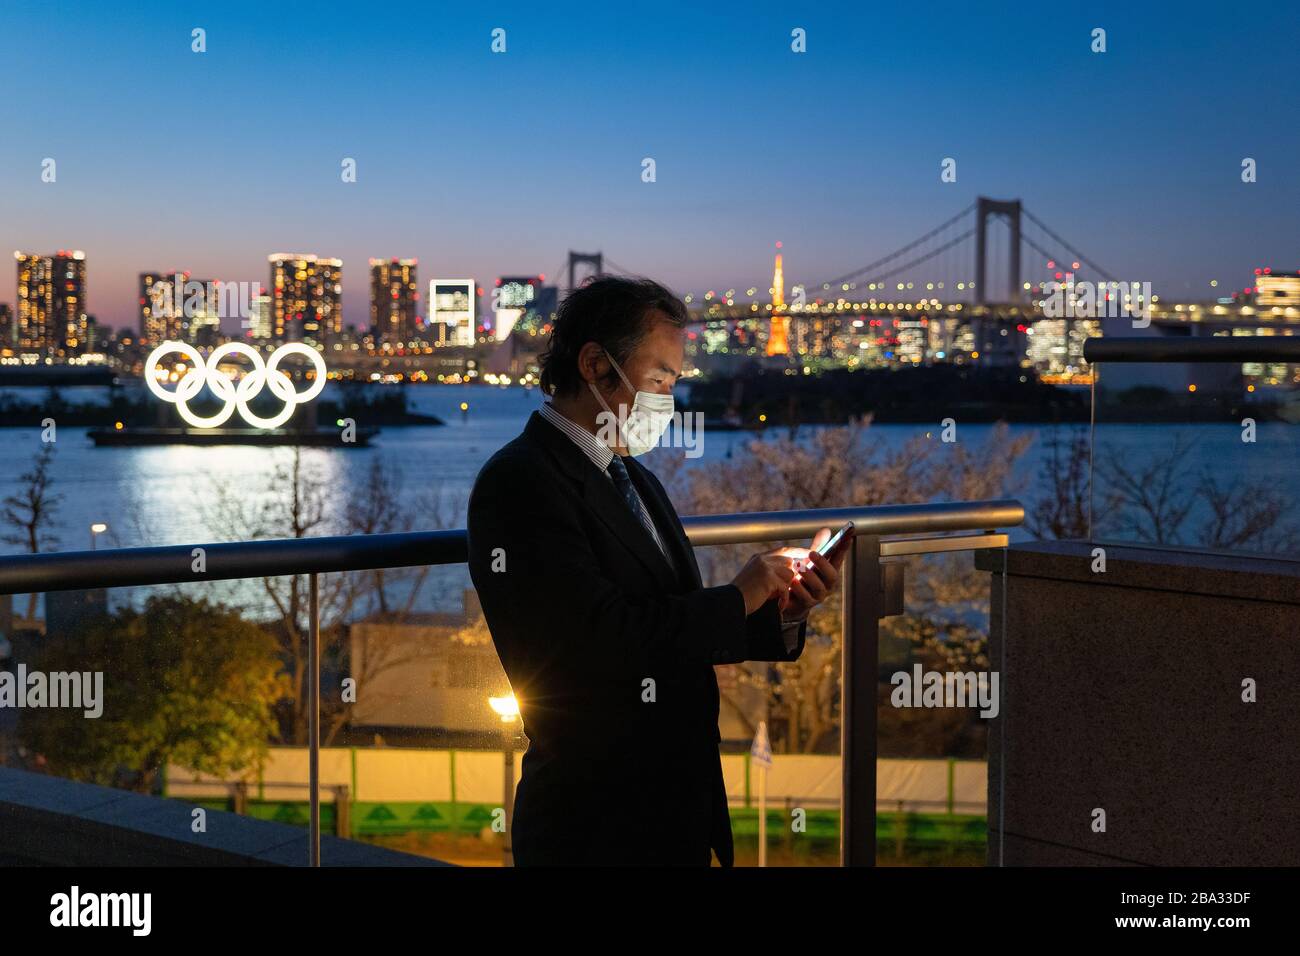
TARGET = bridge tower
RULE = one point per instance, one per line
(593, 259)
(985, 207)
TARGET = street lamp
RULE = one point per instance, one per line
(96, 530)
(508, 709)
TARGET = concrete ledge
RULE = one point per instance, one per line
(48, 820)
(1156, 569)
(1122, 691)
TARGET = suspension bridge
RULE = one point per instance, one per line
(983, 275)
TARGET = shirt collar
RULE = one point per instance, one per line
(596, 450)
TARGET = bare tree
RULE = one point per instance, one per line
(1248, 515)
(299, 500)
(1062, 509)
(293, 504)
(1153, 498)
(382, 505)
(29, 512)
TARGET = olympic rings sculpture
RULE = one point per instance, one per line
(236, 396)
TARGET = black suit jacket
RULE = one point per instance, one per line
(610, 650)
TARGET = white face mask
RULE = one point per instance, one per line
(647, 421)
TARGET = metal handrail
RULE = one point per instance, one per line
(224, 561)
(862, 603)
(1215, 348)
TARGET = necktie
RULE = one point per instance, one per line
(623, 482)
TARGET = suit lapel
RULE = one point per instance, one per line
(602, 498)
(665, 517)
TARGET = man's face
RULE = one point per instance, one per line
(656, 364)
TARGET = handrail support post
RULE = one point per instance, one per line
(313, 719)
(859, 655)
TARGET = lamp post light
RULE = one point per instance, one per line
(508, 709)
(96, 530)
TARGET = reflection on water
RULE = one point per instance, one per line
(167, 495)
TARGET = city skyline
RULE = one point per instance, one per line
(836, 152)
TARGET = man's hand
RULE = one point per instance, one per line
(764, 577)
(815, 578)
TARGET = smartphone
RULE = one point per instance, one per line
(831, 545)
(833, 542)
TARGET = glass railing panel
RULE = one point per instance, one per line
(199, 694)
(938, 693)
(798, 703)
(1203, 456)
(433, 735)
(170, 694)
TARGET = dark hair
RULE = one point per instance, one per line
(612, 311)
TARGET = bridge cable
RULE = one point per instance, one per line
(929, 255)
(1068, 248)
(893, 255)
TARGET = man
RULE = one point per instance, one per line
(596, 607)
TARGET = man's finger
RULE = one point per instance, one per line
(800, 593)
(811, 581)
(827, 569)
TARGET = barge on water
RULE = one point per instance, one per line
(357, 437)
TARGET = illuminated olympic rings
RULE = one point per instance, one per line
(236, 396)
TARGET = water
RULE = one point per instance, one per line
(154, 495)
(163, 495)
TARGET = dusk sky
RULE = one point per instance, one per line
(483, 164)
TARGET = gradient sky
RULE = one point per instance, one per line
(482, 165)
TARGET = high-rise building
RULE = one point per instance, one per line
(451, 311)
(806, 334)
(542, 310)
(306, 297)
(259, 320)
(516, 292)
(1277, 288)
(175, 307)
(525, 301)
(52, 302)
(157, 321)
(1056, 345)
(33, 301)
(95, 336)
(394, 299)
(8, 327)
(201, 312)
